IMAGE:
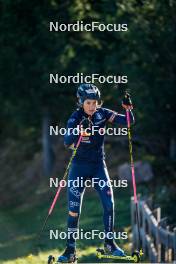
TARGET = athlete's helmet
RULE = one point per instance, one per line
(87, 91)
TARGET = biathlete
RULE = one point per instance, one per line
(89, 163)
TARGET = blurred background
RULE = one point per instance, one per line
(30, 104)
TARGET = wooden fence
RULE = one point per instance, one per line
(158, 242)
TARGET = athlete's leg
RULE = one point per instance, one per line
(105, 191)
(75, 191)
(103, 186)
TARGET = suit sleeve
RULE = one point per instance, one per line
(116, 118)
(70, 137)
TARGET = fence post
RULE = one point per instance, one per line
(143, 229)
(163, 223)
(150, 236)
(167, 246)
(158, 242)
(174, 249)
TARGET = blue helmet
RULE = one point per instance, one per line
(87, 91)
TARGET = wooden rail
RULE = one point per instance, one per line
(158, 242)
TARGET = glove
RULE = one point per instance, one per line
(85, 127)
(126, 102)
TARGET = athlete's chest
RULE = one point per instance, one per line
(98, 119)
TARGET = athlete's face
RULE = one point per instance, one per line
(90, 106)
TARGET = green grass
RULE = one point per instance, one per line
(20, 226)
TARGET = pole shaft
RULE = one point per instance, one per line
(60, 185)
(133, 176)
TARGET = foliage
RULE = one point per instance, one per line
(29, 52)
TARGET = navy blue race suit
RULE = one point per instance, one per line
(89, 163)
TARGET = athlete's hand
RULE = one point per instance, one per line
(85, 133)
(85, 127)
(86, 123)
(72, 146)
(126, 102)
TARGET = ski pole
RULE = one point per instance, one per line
(60, 186)
(133, 176)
